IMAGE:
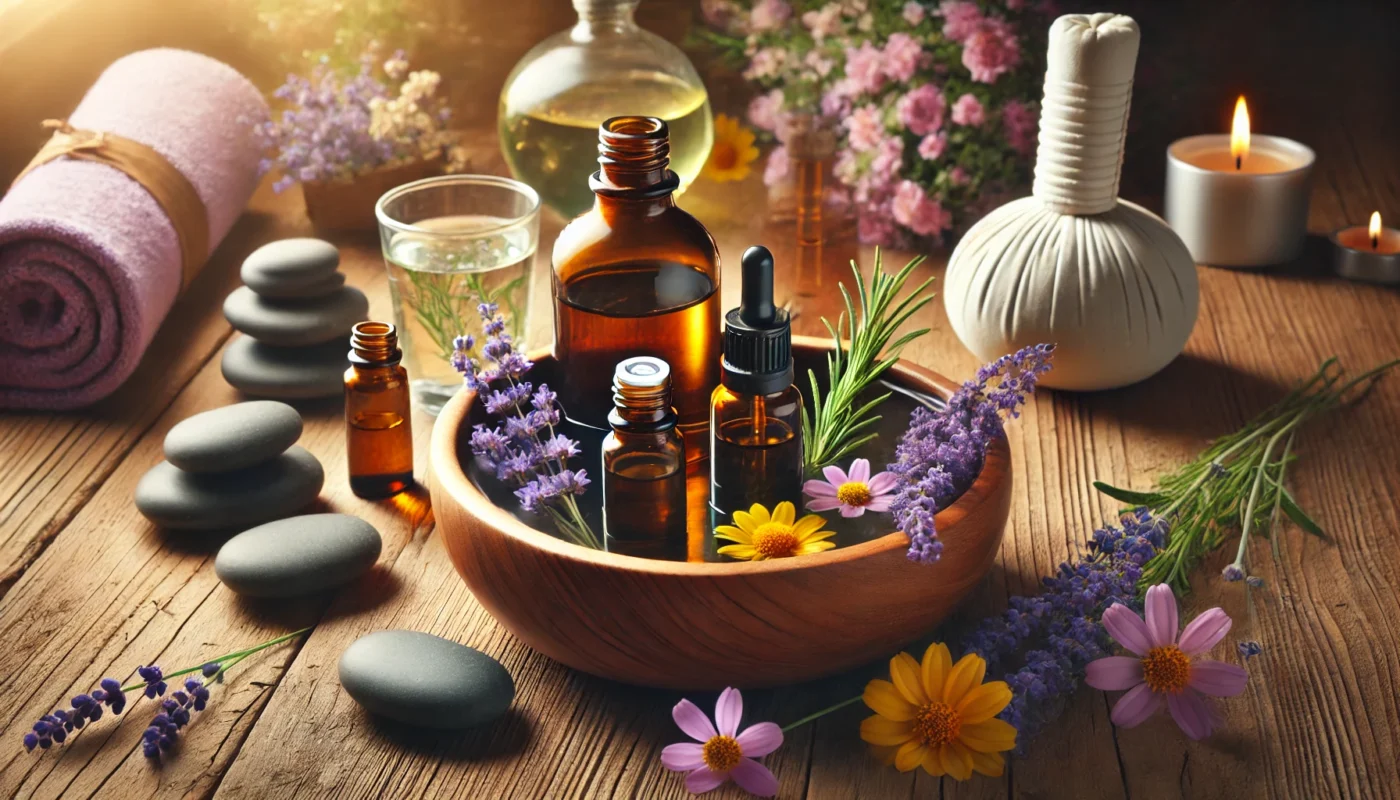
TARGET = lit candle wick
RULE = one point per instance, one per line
(1238, 161)
(1375, 242)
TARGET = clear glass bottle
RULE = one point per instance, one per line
(756, 412)
(644, 507)
(604, 66)
(378, 427)
(637, 276)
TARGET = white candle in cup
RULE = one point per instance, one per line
(1367, 252)
(1239, 200)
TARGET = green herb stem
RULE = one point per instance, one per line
(819, 714)
(227, 660)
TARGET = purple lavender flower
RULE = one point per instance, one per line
(1232, 573)
(941, 453)
(155, 685)
(525, 450)
(176, 710)
(1054, 635)
(85, 708)
(1249, 649)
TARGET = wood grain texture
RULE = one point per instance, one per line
(1320, 718)
(710, 625)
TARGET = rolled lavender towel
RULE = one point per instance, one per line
(89, 262)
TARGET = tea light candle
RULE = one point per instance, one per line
(1239, 200)
(1370, 253)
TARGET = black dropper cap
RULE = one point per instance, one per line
(757, 334)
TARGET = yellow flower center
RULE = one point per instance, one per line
(724, 156)
(1166, 669)
(853, 493)
(775, 540)
(937, 724)
(722, 753)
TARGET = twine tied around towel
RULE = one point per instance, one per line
(145, 165)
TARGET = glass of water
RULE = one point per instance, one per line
(452, 243)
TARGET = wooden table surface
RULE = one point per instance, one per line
(89, 588)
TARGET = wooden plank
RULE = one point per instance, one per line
(55, 463)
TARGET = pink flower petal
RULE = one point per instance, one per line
(818, 489)
(852, 511)
(1162, 623)
(835, 474)
(693, 722)
(728, 711)
(760, 739)
(754, 778)
(1217, 678)
(882, 483)
(1135, 707)
(860, 471)
(1127, 628)
(880, 504)
(683, 757)
(1191, 713)
(1114, 674)
(1205, 631)
(703, 780)
(823, 504)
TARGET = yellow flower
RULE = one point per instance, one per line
(733, 151)
(760, 535)
(939, 715)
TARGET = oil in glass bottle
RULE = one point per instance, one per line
(644, 508)
(756, 412)
(636, 275)
(605, 65)
(378, 430)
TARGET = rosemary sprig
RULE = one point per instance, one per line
(1238, 482)
(445, 302)
(836, 425)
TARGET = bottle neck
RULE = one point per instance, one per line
(642, 409)
(374, 344)
(604, 15)
(634, 160)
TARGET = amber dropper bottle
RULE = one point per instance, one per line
(378, 428)
(644, 511)
(756, 412)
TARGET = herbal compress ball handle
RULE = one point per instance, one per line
(1084, 116)
(1104, 280)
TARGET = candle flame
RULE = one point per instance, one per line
(1375, 229)
(1239, 133)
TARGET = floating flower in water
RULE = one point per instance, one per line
(723, 752)
(939, 715)
(854, 493)
(759, 535)
(733, 151)
(1163, 670)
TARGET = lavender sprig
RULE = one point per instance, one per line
(54, 727)
(941, 453)
(524, 450)
(1054, 635)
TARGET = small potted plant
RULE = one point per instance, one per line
(347, 140)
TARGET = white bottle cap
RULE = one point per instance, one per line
(642, 372)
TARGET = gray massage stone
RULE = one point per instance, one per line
(174, 498)
(298, 555)
(287, 373)
(233, 437)
(424, 680)
(291, 268)
(291, 323)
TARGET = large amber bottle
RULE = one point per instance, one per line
(637, 276)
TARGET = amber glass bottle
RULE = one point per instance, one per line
(644, 510)
(378, 430)
(636, 276)
(756, 412)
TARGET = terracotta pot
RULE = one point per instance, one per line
(709, 625)
(349, 205)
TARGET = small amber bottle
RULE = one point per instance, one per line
(644, 510)
(378, 427)
(756, 412)
(636, 276)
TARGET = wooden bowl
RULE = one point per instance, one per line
(709, 625)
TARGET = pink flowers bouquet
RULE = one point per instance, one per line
(933, 103)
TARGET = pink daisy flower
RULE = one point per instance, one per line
(1163, 671)
(854, 493)
(723, 752)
